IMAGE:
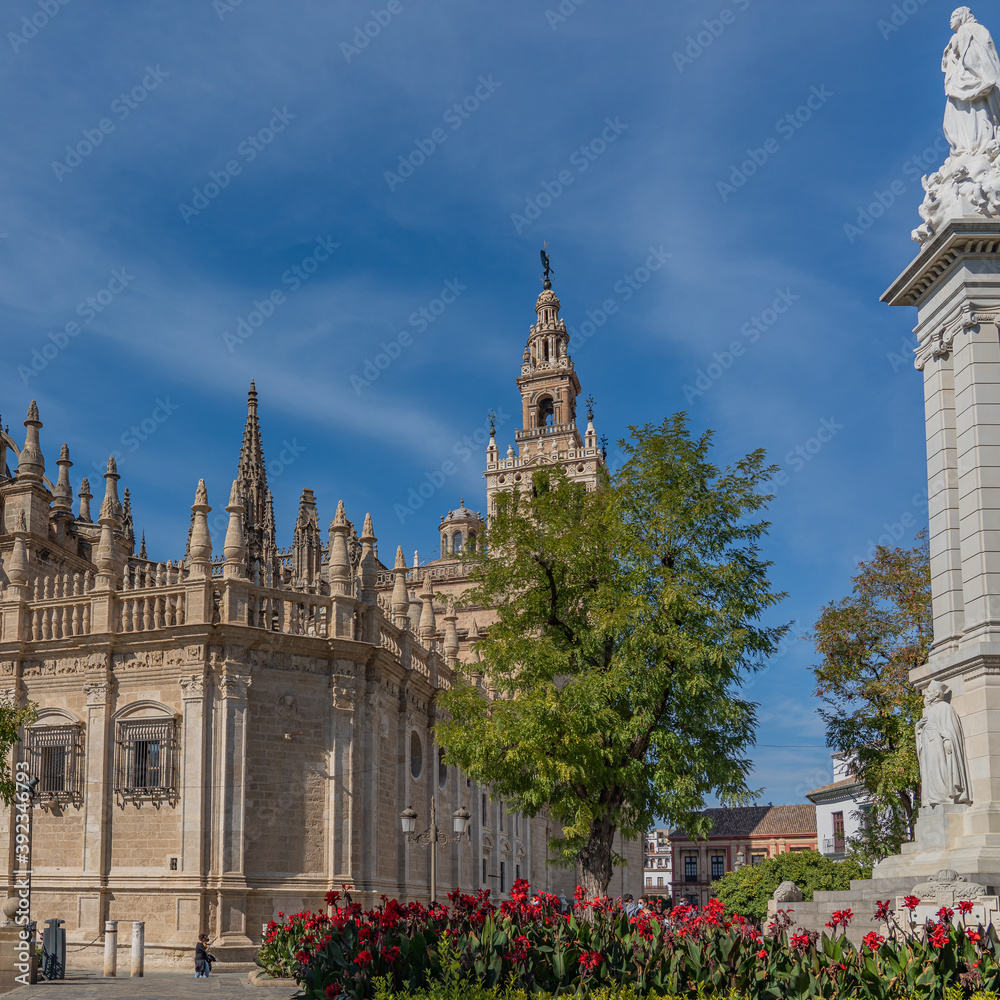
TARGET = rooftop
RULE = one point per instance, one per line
(759, 821)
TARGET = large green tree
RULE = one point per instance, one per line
(869, 641)
(627, 619)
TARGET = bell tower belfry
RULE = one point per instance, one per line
(549, 386)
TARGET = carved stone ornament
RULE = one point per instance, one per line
(8, 696)
(948, 887)
(787, 892)
(234, 685)
(287, 707)
(193, 686)
(97, 693)
(941, 341)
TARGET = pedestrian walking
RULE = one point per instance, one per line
(203, 958)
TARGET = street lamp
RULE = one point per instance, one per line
(433, 836)
(26, 787)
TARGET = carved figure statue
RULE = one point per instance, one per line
(944, 774)
(971, 78)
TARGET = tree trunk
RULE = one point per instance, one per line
(593, 863)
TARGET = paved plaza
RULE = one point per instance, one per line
(153, 986)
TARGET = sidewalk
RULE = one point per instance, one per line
(153, 986)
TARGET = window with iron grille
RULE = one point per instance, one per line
(718, 866)
(145, 753)
(54, 754)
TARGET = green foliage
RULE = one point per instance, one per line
(747, 890)
(627, 619)
(869, 642)
(12, 721)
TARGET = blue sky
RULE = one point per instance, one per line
(166, 167)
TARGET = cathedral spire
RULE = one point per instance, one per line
(339, 566)
(31, 465)
(400, 596)
(62, 497)
(128, 528)
(258, 522)
(307, 543)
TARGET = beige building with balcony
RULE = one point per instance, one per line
(223, 737)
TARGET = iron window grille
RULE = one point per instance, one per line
(718, 866)
(145, 760)
(54, 757)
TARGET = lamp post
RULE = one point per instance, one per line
(26, 789)
(433, 836)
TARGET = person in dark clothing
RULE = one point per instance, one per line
(203, 958)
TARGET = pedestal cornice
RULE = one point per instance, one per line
(960, 238)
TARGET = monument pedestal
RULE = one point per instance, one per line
(954, 282)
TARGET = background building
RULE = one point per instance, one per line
(746, 835)
(659, 863)
(840, 809)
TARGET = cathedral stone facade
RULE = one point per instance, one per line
(223, 737)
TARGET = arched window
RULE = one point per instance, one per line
(416, 755)
(456, 542)
(546, 412)
(472, 541)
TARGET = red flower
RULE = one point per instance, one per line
(873, 940)
(303, 957)
(590, 960)
(882, 910)
(800, 941)
(579, 894)
(333, 991)
(390, 954)
(762, 953)
(974, 936)
(939, 936)
(965, 906)
(363, 957)
(911, 902)
(945, 913)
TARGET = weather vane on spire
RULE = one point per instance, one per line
(546, 265)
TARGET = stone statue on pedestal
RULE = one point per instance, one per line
(944, 775)
(968, 183)
(971, 78)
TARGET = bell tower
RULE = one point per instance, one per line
(549, 434)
